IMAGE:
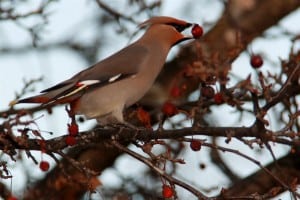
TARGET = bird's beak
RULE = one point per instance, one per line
(187, 32)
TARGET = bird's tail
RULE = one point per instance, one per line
(61, 93)
(53, 95)
(42, 99)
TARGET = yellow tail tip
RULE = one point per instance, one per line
(12, 103)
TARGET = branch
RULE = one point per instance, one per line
(145, 135)
(9, 13)
(117, 15)
(286, 90)
(261, 182)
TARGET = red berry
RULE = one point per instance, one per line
(73, 129)
(169, 109)
(167, 191)
(218, 98)
(144, 117)
(197, 31)
(208, 92)
(12, 198)
(195, 145)
(175, 92)
(256, 61)
(70, 140)
(44, 166)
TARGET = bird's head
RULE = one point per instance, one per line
(166, 29)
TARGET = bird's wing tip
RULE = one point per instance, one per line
(13, 102)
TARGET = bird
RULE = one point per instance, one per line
(105, 89)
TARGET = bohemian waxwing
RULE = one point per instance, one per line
(106, 88)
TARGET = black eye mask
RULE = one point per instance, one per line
(180, 27)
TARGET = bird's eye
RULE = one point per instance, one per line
(180, 27)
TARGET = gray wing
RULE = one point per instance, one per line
(126, 61)
(116, 67)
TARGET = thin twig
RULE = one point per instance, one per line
(283, 92)
(160, 171)
(237, 152)
(113, 12)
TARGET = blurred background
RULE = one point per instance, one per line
(49, 41)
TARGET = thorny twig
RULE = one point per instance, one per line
(284, 91)
(10, 14)
(26, 88)
(159, 171)
(117, 15)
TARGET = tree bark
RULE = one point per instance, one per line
(287, 169)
